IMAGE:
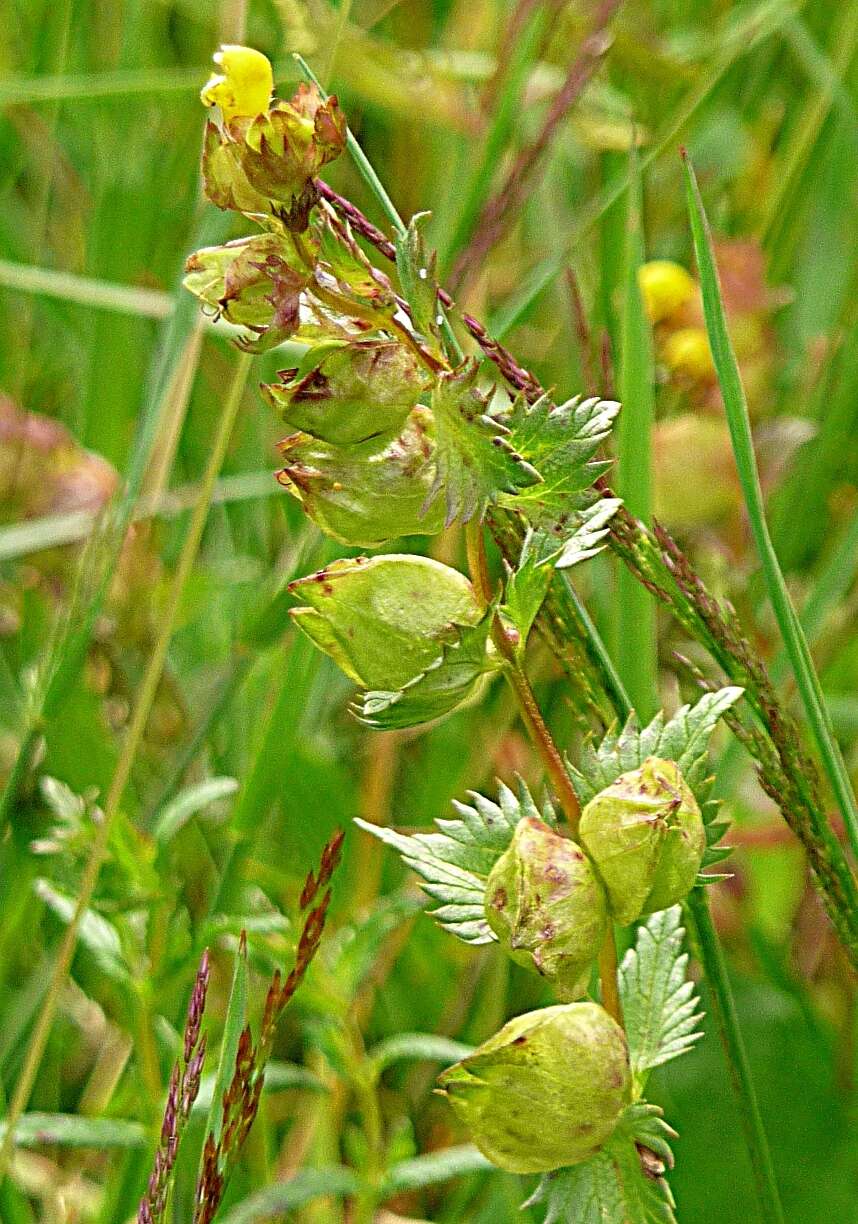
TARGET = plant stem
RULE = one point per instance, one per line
(736, 409)
(530, 712)
(712, 959)
(608, 976)
(544, 743)
(137, 726)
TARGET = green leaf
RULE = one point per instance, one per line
(613, 1187)
(188, 803)
(455, 862)
(97, 934)
(307, 1184)
(417, 276)
(583, 536)
(433, 1168)
(70, 1130)
(425, 1047)
(527, 587)
(236, 1019)
(445, 684)
(476, 458)
(684, 739)
(637, 653)
(560, 442)
(659, 1005)
(739, 422)
(278, 1077)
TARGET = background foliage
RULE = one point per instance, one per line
(250, 759)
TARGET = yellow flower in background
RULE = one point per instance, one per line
(687, 352)
(244, 85)
(665, 287)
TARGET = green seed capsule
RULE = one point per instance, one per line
(547, 1090)
(645, 837)
(547, 907)
(356, 392)
(386, 619)
(371, 492)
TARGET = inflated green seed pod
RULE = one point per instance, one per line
(248, 280)
(547, 906)
(547, 1090)
(645, 837)
(385, 620)
(371, 492)
(356, 392)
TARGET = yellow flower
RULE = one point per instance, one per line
(687, 352)
(244, 85)
(665, 287)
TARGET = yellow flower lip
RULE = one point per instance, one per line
(665, 287)
(244, 85)
(687, 352)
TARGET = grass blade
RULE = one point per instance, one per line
(636, 630)
(736, 409)
(721, 993)
(236, 1019)
(142, 708)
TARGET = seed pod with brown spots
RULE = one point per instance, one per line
(547, 907)
(547, 1090)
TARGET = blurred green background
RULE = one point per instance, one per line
(100, 130)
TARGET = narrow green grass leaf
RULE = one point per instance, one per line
(736, 409)
(188, 803)
(279, 1076)
(498, 137)
(236, 1019)
(724, 1008)
(72, 1131)
(434, 1167)
(423, 1047)
(53, 530)
(308, 1184)
(636, 626)
(85, 290)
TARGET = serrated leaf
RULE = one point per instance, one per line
(560, 441)
(445, 684)
(683, 739)
(455, 862)
(659, 1004)
(417, 276)
(614, 1187)
(475, 458)
(528, 585)
(583, 537)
